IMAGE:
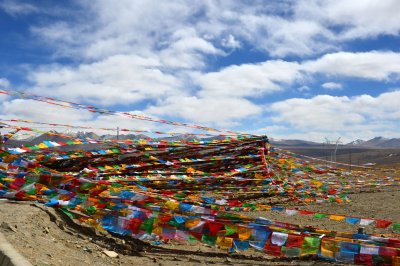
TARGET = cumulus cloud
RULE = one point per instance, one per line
(120, 79)
(127, 79)
(279, 29)
(332, 86)
(230, 42)
(248, 79)
(322, 112)
(358, 19)
(206, 110)
(343, 115)
(369, 65)
(293, 37)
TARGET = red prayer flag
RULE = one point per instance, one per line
(391, 252)
(214, 228)
(394, 243)
(273, 250)
(363, 259)
(294, 241)
(382, 223)
(305, 212)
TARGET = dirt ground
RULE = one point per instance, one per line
(45, 238)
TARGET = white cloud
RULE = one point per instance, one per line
(327, 115)
(187, 50)
(122, 79)
(206, 110)
(127, 79)
(332, 86)
(293, 37)
(355, 19)
(110, 28)
(248, 79)
(130, 27)
(231, 42)
(280, 29)
(15, 8)
(369, 65)
(322, 112)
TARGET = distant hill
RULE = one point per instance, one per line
(377, 142)
(124, 137)
(293, 142)
(356, 142)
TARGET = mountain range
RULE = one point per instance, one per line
(377, 142)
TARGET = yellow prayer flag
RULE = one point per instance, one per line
(322, 231)
(192, 223)
(172, 205)
(224, 242)
(337, 217)
(244, 233)
(266, 207)
(157, 230)
(317, 183)
(329, 248)
(42, 146)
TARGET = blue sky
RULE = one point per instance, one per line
(290, 69)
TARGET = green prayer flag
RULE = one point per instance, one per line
(87, 185)
(147, 225)
(209, 240)
(31, 178)
(116, 185)
(180, 195)
(91, 210)
(173, 223)
(310, 245)
(320, 215)
(192, 240)
(396, 227)
(291, 252)
(230, 230)
(68, 213)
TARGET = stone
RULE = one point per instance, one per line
(110, 253)
(8, 226)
